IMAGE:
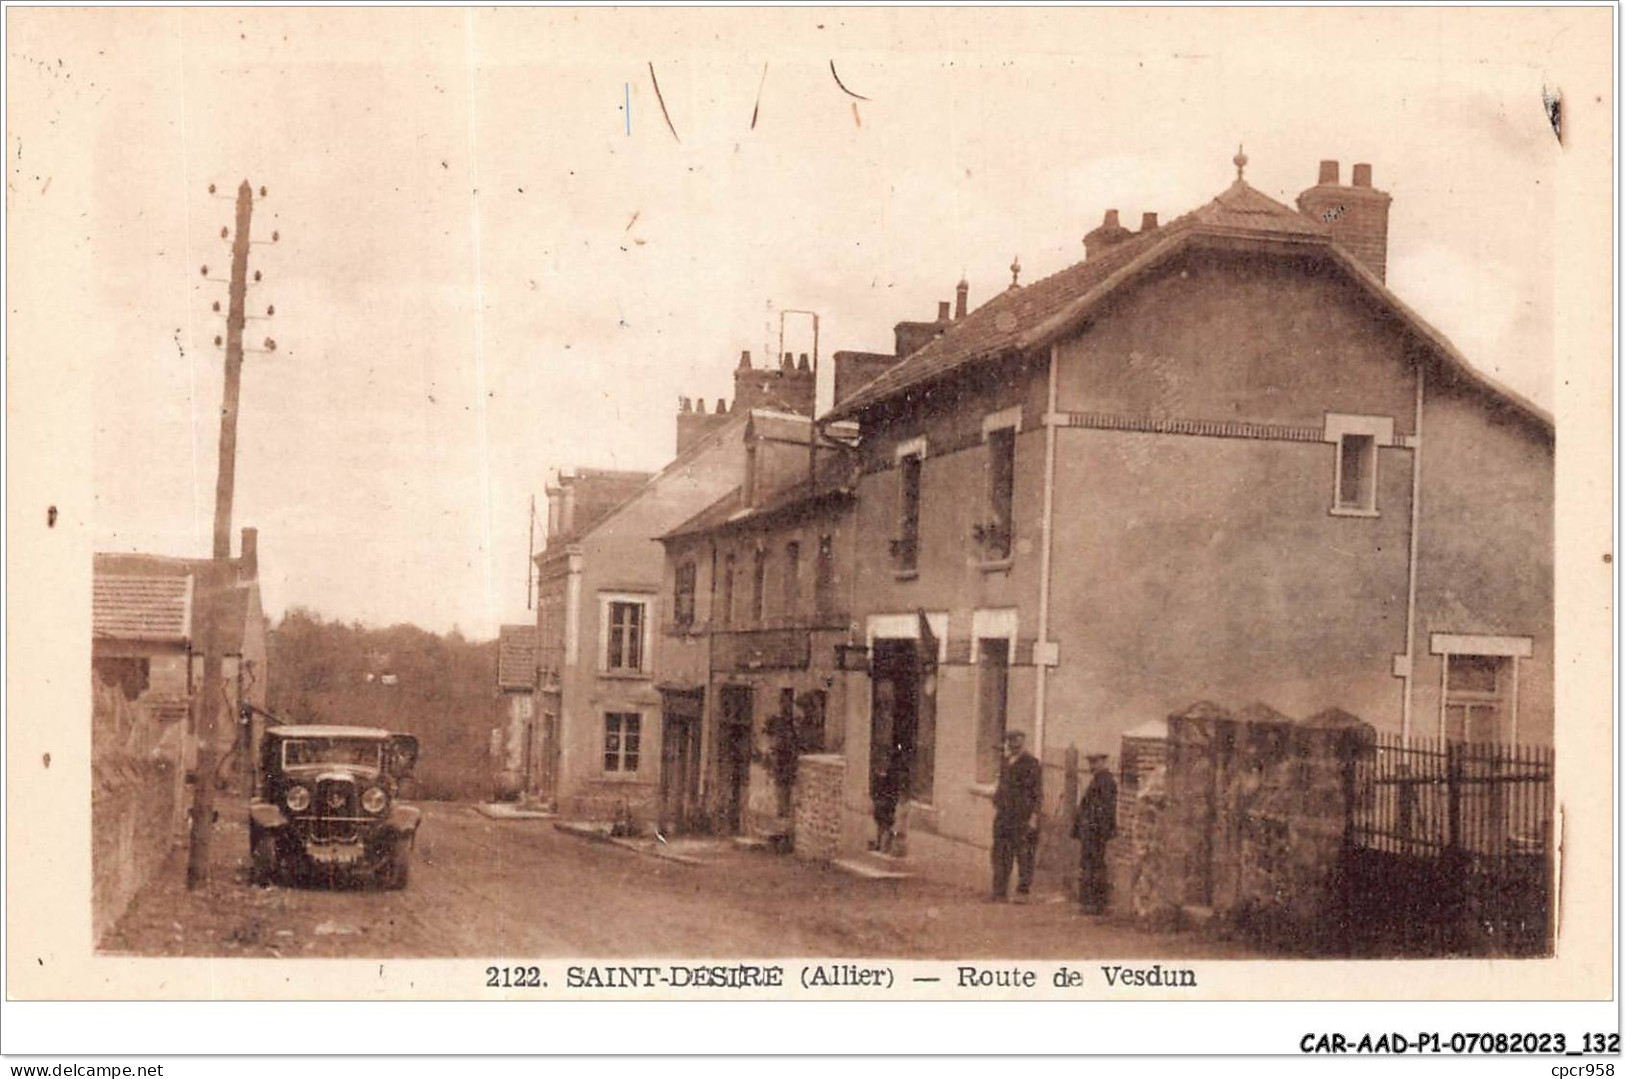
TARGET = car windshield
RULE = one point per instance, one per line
(346, 751)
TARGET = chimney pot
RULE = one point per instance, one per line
(789, 361)
(803, 365)
(1362, 175)
(1148, 222)
(1111, 221)
(1328, 172)
(942, 310)
(961, 298)
(722, 406)
(699, 406)
(744, 360)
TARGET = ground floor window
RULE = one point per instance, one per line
(1476, 694)
(623, 736)
(1478, 685)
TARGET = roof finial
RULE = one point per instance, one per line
(1015, 272)
(1240, 161)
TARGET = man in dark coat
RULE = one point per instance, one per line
(1095, 823)
(1016, 804)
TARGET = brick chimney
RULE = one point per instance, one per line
(912, 336)
(249, 560)
(1356, 214)
(961, 298)
(1110, 233)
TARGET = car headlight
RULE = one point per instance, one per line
(298, 798)
(374, 800)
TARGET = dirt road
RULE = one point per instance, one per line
(522, 889)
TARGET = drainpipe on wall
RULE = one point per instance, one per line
(1042, 652)
(1410, 593)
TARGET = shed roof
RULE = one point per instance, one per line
(163, 599)
(142, 608)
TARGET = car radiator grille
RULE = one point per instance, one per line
(335, 811)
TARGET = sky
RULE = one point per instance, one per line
(495, 257)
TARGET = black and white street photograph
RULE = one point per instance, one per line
(862, 499)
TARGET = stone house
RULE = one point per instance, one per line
(1217, 459)
(147, 614)
(756, 594)
(599, 603)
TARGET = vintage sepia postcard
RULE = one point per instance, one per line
(810, 504)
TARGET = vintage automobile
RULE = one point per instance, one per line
(326, 803)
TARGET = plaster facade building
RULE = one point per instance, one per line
(1217, 459)
(757, 588)
(599, 604)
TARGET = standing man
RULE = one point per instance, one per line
(1095, 823)
(1016, 803)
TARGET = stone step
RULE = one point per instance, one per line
(511, 811)
(870, 869)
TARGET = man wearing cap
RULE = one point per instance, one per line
(1016, 802)
(1094, 824)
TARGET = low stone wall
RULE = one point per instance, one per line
(820, 779)
(1246, 819)
(137, 804)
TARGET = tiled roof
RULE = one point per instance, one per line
(134, 598)
(1045, 311)
(141, 608)
(1007, 322)
(516, 657)
(715, 514)
(835, 476)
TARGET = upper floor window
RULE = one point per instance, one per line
(792, 578)
(906, 547)
(725, 610)
(758, 586)
(624, 644)
(824, 576)
(683, 593)
(997, 530)
(1354, 486)
(1357, 473)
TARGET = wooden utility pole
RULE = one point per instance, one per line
(219, 583)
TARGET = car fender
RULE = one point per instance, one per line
(267, 816)
(404, 819)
